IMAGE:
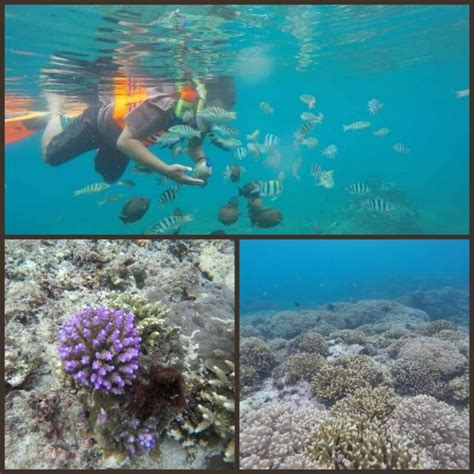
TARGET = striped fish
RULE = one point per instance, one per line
(358, 188)
(271, 188)
(224, 143)
(378, 204)
(91, 188)
(330, 151)
(271, 142)
(401, 148)
(168, 195)
(217, 115)
(240, 153)
(184, 131)
(111, 198)
(168, 223)
(315, 170)
(168, 139)
(225, 130)
(305, 129)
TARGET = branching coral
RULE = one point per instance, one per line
(275, 435)
(343, 376)
(100, 348)
(303, 366)
(356, 443)
(369, 403)
(209, 417)
(435, 426)
(311, 342)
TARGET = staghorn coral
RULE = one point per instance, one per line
(100, 348)
(369, 403)
(436, 427)
(343, 376)
(303, 366)
(311, 342)
(275, 436)
(209, 417)
(355, 443)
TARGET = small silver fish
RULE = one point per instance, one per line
(374, 106)
(295, 167)
(360, 125)
(310, 142)
(91, 188)
(309, 100)
(111, 198)
(184, 131)
(330, 151)
(253, 137)
(381, 132)
(309, 117)
(462, 93)
(266, 108)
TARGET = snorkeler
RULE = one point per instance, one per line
(133, 119)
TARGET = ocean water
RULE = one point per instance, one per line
(412, 59)
(279, 275)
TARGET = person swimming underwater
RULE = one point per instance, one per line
(123, 126)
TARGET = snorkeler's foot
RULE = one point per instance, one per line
(38, 123)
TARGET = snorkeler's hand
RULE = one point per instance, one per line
(176, 173)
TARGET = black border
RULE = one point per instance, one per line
(237, 237)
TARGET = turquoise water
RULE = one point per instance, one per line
(412, 59)
(276, 274)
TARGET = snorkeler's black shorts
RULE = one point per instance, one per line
(81, 136)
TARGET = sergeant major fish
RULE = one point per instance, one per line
(271, 141)
(358, 188)
(309, 117)
(168, 139)
(240, 153)
(217, 115)
(184, 131)
(233, 173)
(378, 205)
(356, 126)
(169, 223)
(168, 195)
(330, 151)
(272, 188)
(323, 178)
(91, 188)
(226, 143)
(225, 130)
(401, 148)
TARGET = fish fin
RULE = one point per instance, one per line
(123, 219)
(281, 176)
(188, 218)
(177, 212)
(345, 128)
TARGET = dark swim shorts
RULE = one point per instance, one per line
(81, 136)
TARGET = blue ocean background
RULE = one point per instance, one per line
(411, 58)
(295, 275)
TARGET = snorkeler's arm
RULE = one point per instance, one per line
(137, 151)
(196, 149)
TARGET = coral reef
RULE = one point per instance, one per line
(436, 427)
(355, 443)
(273, 435)
(183, 315)
(303, 366)
(310, 342)
(343, 376)
(100, 348)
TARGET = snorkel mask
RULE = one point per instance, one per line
(191, 97)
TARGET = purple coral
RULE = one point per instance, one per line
(139, 437)
(100, 348)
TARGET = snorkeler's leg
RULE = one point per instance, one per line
(80, 136)
(53, 128)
